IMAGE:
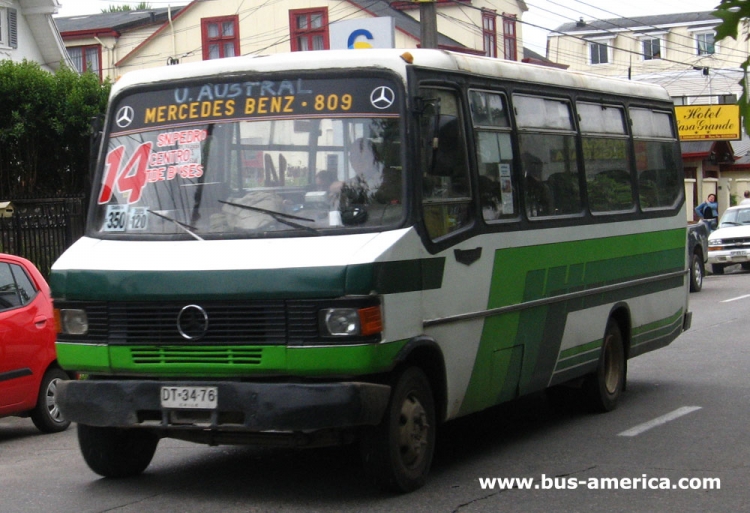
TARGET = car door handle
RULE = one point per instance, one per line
(40, 322)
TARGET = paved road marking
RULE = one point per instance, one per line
(658, 421)
(736, 298)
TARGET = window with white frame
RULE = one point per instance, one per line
(599, 52)
(8, 27)
(705, 43)
(652, 48)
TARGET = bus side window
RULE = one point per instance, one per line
(547, 142)
(446, 191)
(498, 194)
(657, 157)
(606, 157)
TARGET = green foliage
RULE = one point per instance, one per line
(45, 125)
(732, 13)
(141, 6)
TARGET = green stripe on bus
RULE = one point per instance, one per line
(298, 283)
(665, 329)
(225, 361)
(669, 321)
(579, 359)
(219, 361)
(567, 353)
(549, 270)
(83, 357)
(396, 276)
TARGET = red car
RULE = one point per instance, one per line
(29, 373)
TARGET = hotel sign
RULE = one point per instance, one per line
(708, 122)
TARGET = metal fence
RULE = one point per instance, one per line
(41, 229)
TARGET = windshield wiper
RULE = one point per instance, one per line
(179, 224)
(278, 216)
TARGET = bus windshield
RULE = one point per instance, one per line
(243, 162)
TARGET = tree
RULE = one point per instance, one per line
(45, 127)
(141, 6)
(733, 13)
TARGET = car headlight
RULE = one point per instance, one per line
(351, 322)
(72, 321)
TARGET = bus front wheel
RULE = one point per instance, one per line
(398, 452)
(603, 388)
(113, 452)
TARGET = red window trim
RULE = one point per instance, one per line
(294, 32)
(402, 5)
(489, 16)
(85, 63)
(205, 40)
(510, 36)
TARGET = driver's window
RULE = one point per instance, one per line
(446, 191)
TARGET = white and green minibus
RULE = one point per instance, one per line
(321, 248)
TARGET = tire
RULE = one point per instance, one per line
(696, 273)
(602, 389)
(717, 268)
(114, 452)
(46, 415)
(398, 452)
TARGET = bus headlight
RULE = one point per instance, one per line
(72, 321)
(351, 322)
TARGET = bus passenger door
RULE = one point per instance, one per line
(482, 369)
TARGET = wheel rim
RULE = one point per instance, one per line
(51, 398)
(698, 274)
(413, 431)
(611, 367)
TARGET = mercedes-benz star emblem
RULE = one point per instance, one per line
(192, 322)
(382, 97)
(125, 116)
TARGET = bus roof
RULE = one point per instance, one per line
(393, 59)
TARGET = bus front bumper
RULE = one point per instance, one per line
(249, 407)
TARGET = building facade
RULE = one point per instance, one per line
(28, 32)
(112, 44)
(680, 52)
(647, 45)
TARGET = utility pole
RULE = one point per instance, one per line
(428, 23)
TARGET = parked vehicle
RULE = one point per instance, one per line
(730, 243)
(29, 373)
(697, 254)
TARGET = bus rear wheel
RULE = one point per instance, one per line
(603, 388)
(113, 452)
(398, 452)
